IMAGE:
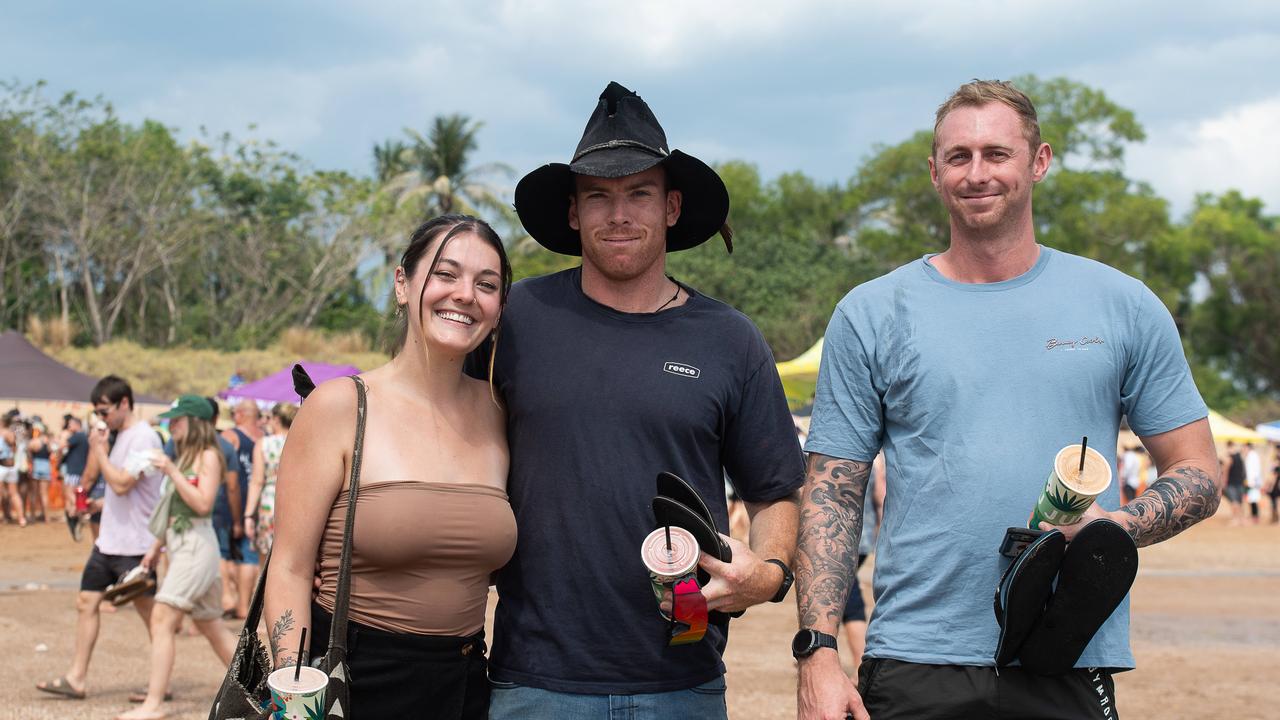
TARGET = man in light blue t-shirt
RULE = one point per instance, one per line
(971, 368)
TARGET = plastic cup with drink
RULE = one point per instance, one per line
(1079, 475)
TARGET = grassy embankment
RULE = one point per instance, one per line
(169, 372)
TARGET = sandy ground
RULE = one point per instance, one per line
(1206, 632)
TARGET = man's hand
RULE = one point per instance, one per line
(1093, 512)
(825, 692)
(747, 580)
(98, 438)
(251, 528)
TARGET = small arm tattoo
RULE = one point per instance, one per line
(279, 628)
(830, 531)
(1172, 504)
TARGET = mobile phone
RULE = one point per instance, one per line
(1016, 539)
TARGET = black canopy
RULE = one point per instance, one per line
(26, 373)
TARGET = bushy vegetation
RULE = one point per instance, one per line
(168, 372)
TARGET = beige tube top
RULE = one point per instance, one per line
(422, 555)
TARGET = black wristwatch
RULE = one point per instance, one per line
(787, 579)
(807, 642)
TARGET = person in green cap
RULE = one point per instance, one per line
(182, 527)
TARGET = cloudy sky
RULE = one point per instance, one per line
(809, 85)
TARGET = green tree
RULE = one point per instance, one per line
(1233, 329)
(389, 160)
(789, 266)
(438, 176)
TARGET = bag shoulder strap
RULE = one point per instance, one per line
(342, 600)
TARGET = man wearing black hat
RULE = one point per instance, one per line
(613, 372)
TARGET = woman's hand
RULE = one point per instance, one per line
(161, 461)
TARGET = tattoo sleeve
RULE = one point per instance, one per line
(830, 530)
(1172, 504)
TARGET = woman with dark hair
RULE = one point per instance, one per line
(432, 519)
(184, 531)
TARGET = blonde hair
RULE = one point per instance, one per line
(284, 412)
(982, 92)
(201, 435)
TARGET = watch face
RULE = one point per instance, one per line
(802, 643)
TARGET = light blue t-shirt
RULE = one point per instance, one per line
(972, 389)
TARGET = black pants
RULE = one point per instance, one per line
(891, 689)
(396, 675)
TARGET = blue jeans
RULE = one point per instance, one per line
(246, 555)
(518, 702)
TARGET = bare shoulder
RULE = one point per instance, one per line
(488, 406)
(211, 457)
(328, 417)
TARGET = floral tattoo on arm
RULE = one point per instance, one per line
(830, 531)
(279, 629)
(1172, 504)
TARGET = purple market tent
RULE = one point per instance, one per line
(278, 386)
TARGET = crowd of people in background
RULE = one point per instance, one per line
(1247, 481)
(1245, 466)
(177, 512)
(25, 468)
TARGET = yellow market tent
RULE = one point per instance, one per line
(800, 375)
(1224, 430)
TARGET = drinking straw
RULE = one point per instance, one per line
(668, 529)
(1084, 443)
(302, 644)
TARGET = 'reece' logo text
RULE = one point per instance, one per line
(681, 369)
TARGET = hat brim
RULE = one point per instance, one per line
(542, 197)
(179, 412)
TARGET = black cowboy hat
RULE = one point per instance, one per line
(623, 138)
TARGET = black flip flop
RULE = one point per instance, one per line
(678, 504)
(1097, 571)
(676, 514)
(1024, 590)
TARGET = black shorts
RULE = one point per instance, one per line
(103, 570)
(401, 675)
(894, 690)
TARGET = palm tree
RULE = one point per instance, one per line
(389, 160)
(437, 175)
(430, 175)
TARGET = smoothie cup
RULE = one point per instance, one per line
(1068, 491)
(301, 699)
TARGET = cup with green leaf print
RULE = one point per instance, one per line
(300, 699)
(1079, 475)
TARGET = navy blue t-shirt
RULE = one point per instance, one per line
(77, 454)
(598, 403)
